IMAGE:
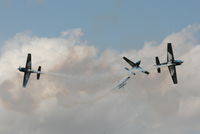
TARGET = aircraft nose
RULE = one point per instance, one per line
(181, 62)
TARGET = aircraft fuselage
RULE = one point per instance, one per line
(175, 62)
(25, 70)
(178, 62)
(135, 69)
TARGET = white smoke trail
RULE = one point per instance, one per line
(58, 74)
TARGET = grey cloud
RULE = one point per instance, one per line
(76, 95)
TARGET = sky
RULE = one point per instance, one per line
(80, 45)
(77, 95)
(118, 24)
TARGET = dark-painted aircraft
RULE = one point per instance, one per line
(135, 67)
(171, 63)
(28, 70)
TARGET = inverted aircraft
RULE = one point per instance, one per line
(28, 70)
(123, 82)
(134, 67)
(171, 63)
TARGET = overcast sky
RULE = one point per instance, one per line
(80, 45)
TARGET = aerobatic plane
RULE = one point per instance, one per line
(28, 70)
(123, 82)
(135, 67)
(171, 63)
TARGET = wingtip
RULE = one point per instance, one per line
(175, 83)
(125, 58)
(147, 73)
(169, 45)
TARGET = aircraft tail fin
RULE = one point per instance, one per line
(138, 63)
(158, 63)
(39, 72)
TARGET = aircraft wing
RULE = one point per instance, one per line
(163, 65)
(129, 62)
(26, 78)
(170, 55)
(122, 82)
(172, 70)
(142, 70)
(28, 62)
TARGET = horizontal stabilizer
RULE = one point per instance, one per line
(146, 72)
(39, 72)
(158, 70)
(158, 63)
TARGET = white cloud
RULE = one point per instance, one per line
(82, 101)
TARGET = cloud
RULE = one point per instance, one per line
(76, 97)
